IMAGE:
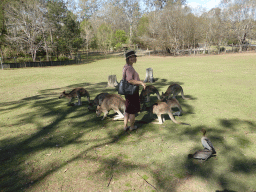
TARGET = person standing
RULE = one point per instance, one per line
(132, 102)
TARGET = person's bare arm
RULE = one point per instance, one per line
(134, 82)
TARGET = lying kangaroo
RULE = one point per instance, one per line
(77, 92)
(161, 108)
(150, 89)
(173, 90)
(111, 101)
(97, 101)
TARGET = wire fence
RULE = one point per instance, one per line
(40, 64)
(140, 52)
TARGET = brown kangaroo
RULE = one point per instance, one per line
(173, 90)
(97, 101)
(150, 89)
(77, 92)
(161, 108)
(111, 101)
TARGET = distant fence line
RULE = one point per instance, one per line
(40, 64)
(139, 52)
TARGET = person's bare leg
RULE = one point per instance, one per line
(132, 121)
(126, 117)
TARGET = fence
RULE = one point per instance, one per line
(40, 64)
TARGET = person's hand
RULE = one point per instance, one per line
(144, 85)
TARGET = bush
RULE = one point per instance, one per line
(118, 46)
(236, 49)
(222, 49)
(43, 59)
(23, 60)
(63, 58)
(54, 59)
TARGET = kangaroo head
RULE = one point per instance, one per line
(62, 94)
(98, 110)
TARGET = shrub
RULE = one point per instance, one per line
(222, 49)
(54, 59)
(43, 59)
(63, 58)
(23, 60)
(236, 49)
(118, 46)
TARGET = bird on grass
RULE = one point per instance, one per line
(208, 150)
(202, 154)
(207, 144)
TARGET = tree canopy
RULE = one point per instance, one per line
(54, 27)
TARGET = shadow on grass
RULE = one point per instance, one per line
(18, 171)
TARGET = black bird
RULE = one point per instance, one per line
(207, 144)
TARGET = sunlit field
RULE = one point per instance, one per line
(46, 145)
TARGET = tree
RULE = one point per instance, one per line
(131, 10)
(214, 28)
(25, 21)
(87, 8)
(160, 4)
(242, 15)
(112, 12)
(169, 26)
(119, 39)
(149, 34)
(105, 37)
(65, 36)
(3, 30)
(87, 32)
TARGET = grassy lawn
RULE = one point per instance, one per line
(46, 145)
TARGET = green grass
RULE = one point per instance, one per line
(46, 145)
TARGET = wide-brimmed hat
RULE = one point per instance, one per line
(130, 53)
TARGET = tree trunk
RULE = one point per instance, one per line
(130, 33)
(240, 48)
(46, 50)
(87, 49)
(1, 58)
(34, 55)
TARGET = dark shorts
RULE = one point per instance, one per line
(132, 103)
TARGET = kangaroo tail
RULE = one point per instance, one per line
(158, 95)
(177, 122)
(182, 95)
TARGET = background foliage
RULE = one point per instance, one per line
(57, 27)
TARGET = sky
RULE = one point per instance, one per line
(207, 4)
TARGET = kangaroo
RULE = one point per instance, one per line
(161, 108)
(173, 90)
(150, 89)
(77, 92)
(111, 101)
(97, 101)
